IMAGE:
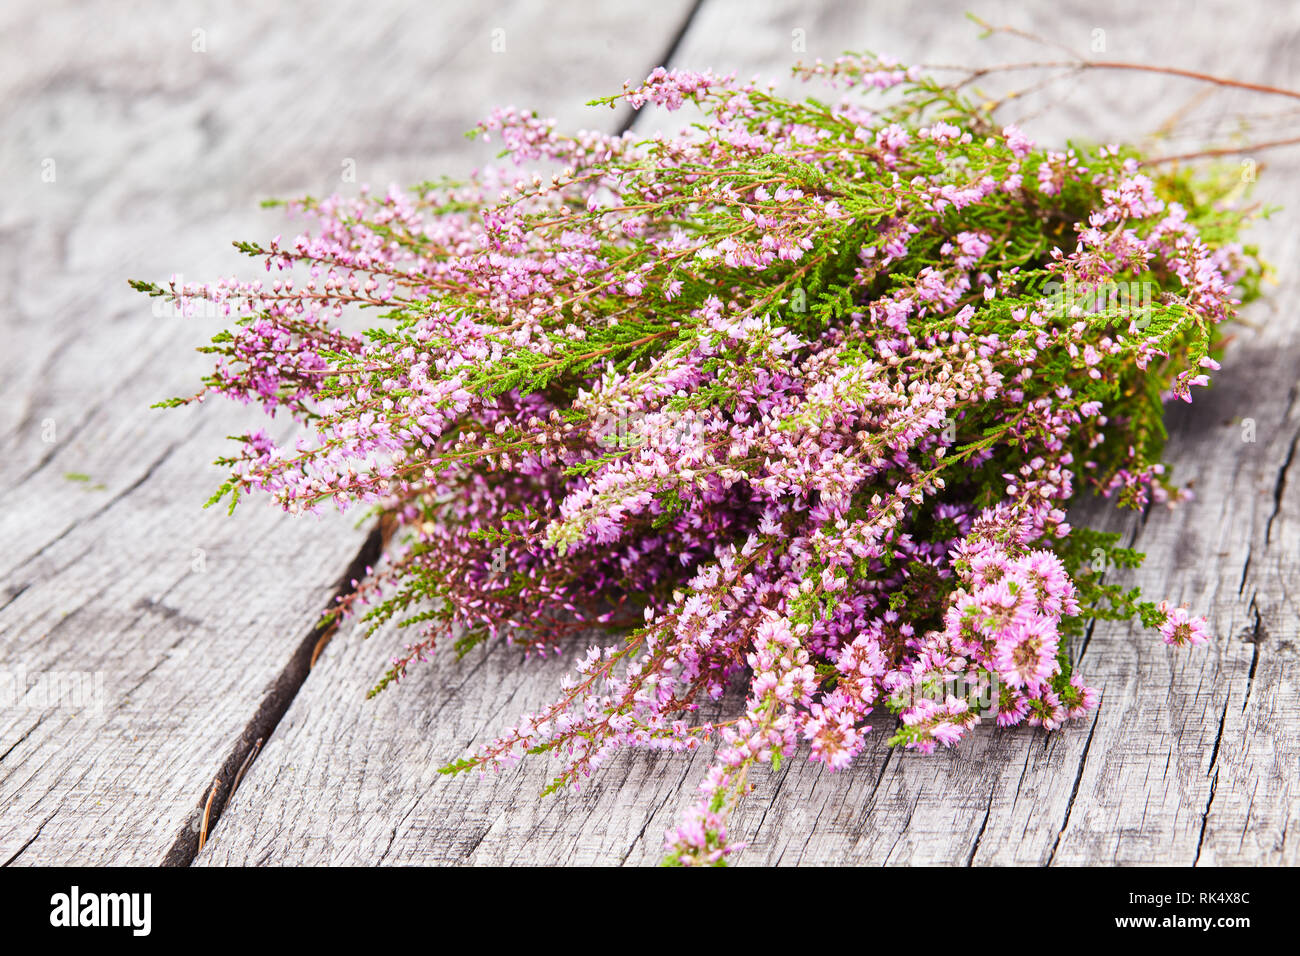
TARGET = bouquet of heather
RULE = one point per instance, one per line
(794, 398)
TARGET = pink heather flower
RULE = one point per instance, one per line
(1019, 144)
(834, 734)
(973, 244)
(1025, 655)
(700, 840)
(1013, 708)
(669, 89)
(1079, 698)
(941, 133)
(1049, 588)
(1179, 628)
(1000, 608)
(1046, 711)
(893, 138)
(947, 733)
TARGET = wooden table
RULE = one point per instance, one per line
(161, 643)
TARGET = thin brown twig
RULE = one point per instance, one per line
(207, 813)
(1020, 94)
(1222, 151)
(1081, 62)
(324, 639)
(1023, 34)
(1113, 65)
(243, 768)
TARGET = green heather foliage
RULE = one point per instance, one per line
(794, 399)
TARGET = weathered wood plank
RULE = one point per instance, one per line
(1192, 755)
(188, 626)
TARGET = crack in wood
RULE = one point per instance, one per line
(1257, 636)
(1087, 639)
(813, 831)
(392, 839)
(988, 809)
(1214, 783)
(775, 793)
(902, 831)
(673, 46)
(14, 594)
(478, 841)
(645, 824)
(1021, 782)
(1074, 791)
(27, 733)
(881, 776)
(272, 710)
(1279, 487)
(23, 849)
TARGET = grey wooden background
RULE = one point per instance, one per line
(193, 631)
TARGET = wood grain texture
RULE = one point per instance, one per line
(191, 630)
(1193, 756)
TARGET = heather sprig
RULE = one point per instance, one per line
(795, 398)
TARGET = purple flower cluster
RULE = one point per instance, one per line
(781, 401)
